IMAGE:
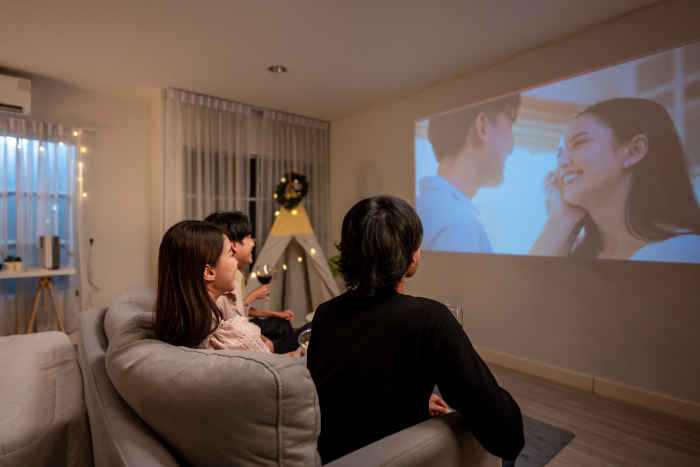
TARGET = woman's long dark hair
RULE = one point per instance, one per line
(661, 203)
(185, 313)
(378, 240)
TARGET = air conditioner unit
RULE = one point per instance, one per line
(15, 95)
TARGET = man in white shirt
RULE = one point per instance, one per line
(471, 147)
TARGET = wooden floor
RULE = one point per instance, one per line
(606, 432)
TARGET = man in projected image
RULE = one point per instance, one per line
(471, 147)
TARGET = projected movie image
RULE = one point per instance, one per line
(604, 165)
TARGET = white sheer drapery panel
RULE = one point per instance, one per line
(290, 143)
(38, 196)
(207, 164)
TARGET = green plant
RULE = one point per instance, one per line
(12, 259)
(334, 266)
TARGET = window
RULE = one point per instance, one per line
(36, 198)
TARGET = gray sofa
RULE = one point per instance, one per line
(153, 404)
(42, 415)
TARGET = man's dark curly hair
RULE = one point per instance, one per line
(378, 240)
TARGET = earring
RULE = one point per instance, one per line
(626, 164)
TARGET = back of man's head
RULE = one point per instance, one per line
(378, 239)
(447, 132)
(235, 223)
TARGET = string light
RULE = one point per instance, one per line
(275, 196)
(300, 259)
(80, 164)
(283, 180)
(253, 275)
(294, 212)
(284, 266)
(75, 132)
(83, 149)
(277, 213)
(312, 252)
(60, 143)
(41, 148)
(80, 179)
(84, 195)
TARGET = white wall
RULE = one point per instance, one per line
(632, 323)
(119, 204)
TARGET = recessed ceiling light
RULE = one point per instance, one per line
(277, 68)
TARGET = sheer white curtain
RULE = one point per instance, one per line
(41, 187)
(207, 164)
(290, 143)
(222, 155)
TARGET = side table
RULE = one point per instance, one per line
(45, 287)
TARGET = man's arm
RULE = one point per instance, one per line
(469, 387)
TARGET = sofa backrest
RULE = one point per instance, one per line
(119, 437)
(212, 407)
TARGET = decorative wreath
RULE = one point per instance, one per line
(291, 190)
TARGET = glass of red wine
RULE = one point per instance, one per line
(264, 276)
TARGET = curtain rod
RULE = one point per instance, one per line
(253, 107)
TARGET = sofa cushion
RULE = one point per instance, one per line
(42, 414)
(212, 407)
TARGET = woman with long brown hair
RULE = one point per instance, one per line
(196, 265)
(621, 189)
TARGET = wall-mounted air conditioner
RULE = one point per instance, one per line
(15, 95)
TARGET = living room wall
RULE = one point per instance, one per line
(118, 206)
(632, 323)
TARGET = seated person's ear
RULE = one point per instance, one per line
(209, 273)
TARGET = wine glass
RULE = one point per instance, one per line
(304, 339)
(264, 276)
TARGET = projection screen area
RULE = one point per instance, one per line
(604, 165)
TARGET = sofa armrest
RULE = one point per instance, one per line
(444, 441)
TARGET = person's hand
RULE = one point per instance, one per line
(556, 206)
(261, 292)
(437, 406)
(298, 353)
(285, 314)
(268, 343)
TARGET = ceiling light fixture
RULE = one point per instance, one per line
(277, 69)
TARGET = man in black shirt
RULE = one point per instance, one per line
(376, 354)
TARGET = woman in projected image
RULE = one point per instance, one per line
(621, 189)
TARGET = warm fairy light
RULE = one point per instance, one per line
(75, 132)
(277, 213)
(253, 275)
(294, 212)
(41, 148)
(60, 143)
(80, 164)
(83, 149)
(312, 251)
(284, 266)
(80, 179)
(275, 196)
(84, 195)
(283, 180)
(300, 259)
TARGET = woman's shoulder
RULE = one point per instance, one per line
(684, 248)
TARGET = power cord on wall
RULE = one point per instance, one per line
(94, 288)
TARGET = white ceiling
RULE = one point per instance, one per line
(342, 56)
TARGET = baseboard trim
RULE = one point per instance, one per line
(681, 408)
(688, 410)
(535, 368)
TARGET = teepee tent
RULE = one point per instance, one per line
(302, 280)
